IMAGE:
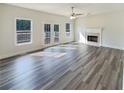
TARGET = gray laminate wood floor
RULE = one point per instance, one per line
(70, 67)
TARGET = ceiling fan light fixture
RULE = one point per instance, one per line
(73, 14)
(72, 17)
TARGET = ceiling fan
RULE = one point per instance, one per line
(74, 15)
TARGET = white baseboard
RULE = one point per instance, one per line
(115, 47)
(109, 46)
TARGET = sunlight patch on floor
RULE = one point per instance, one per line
(49, 54)
(64, 47)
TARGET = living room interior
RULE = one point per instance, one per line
(61, 46)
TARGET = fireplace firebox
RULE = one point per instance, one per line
(92, 38)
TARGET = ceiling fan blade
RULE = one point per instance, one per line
(79, 14)
(75, 14)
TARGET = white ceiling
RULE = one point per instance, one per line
(65, 8)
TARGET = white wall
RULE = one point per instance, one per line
(7, 29)
(113, 28)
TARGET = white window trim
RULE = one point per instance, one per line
(25, 43)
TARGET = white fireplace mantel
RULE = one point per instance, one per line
(94, 32)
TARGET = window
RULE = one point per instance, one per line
(67, 29)
(47, 30)
(56, 33)
(23, 31)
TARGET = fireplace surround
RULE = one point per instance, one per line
(93, 36)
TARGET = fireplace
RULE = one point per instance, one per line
(93, 36)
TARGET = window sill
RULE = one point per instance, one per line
(21, 44)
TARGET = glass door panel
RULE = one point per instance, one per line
(47, 31)
(56, 33)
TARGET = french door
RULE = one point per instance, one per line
(51, 34)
